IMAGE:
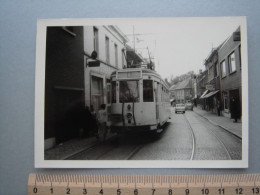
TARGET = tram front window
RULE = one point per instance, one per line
(128, 91)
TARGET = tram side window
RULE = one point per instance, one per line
(114, 92)
(148, 90)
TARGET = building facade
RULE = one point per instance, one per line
(230, 72)
(183, 91)
(64, 82)
(221, 79)
(212, 85)
(70, 84)
(109, 43)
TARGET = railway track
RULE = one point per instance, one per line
(225, 148)
(192, 136)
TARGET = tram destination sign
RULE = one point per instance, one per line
(131, 74)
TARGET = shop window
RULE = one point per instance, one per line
(225, 101)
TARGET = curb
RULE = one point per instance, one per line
(226, 129)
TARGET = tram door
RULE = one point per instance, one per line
(157, 99)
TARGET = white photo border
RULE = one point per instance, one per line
(42, 25)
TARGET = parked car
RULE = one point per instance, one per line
(180, 108)
(189, 106)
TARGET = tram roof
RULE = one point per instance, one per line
(144, 70)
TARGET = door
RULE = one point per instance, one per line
(97, 96)
(235, 94)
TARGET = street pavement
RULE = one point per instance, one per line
(221, 121)
(74, 146)
(64, 150)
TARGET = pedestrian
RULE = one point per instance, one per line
(94, 121)
(101, 118)
(234, 108)
(218, 107)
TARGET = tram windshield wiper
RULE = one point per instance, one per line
(129, 91)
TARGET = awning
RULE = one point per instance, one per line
(205, 92)
(211, 94)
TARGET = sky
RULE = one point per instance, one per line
(178, 45)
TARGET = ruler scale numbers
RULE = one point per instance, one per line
(236, 184)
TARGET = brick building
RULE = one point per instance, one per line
(229, 56)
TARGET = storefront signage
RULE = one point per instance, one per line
(210, 87)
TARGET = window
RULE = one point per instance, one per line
(95, 31)
(148, 90)
(107, 50)
(223, 69)
(123, 58)
(211, 73)
(232, 62)
(114, 92)
(116, 56)
(240, 56)
(128, 91)
(216, 73)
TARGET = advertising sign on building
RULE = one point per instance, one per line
(210, 87)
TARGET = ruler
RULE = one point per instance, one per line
(230, 184)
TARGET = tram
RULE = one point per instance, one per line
(140, 101)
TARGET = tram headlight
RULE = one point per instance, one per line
(129, 116)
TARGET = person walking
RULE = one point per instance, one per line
(234, 108)
(102, 126)
(94, 121)
(218, 107)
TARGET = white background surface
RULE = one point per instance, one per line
(18, 20)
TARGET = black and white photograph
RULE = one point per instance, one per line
(141, 93)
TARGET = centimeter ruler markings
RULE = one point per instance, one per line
(230, 184)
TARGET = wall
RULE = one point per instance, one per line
(64, 82)
(105, 69)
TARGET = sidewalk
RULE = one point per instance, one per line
(72, 147)
(221, 121)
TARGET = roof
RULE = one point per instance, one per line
(186, 84)
(174, 86)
